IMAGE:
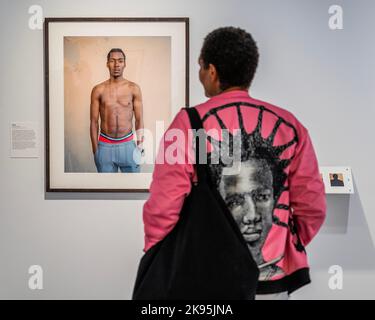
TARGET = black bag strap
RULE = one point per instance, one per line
(196, 124)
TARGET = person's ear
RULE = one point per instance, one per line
(214, 76)
(212, 72)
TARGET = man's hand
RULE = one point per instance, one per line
(140, 137)
(140, 146)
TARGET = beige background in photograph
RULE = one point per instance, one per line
(148, 63)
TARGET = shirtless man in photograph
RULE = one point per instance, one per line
(115, 101)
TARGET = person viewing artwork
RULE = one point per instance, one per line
(271, 183)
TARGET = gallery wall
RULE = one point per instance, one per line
(89, 245)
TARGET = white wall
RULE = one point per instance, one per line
(89, 245)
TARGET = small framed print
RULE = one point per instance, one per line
(337, 180)
(105, 79)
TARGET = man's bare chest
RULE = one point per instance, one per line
(116, 99)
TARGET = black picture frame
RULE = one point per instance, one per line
(51, 184)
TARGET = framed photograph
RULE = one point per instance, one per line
(112, 86)
(337, 180)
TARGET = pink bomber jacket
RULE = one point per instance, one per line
(276, 195)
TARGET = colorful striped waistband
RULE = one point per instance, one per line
(108, 139)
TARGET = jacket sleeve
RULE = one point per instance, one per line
(306, 190)
(171, 181)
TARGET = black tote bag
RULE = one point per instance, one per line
(205, 255)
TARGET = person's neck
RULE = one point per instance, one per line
(234, 89)
(257, 255)
(116, 79)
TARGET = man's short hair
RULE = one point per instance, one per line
(115, 50)
(235, 55)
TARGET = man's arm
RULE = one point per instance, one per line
(306, 190)
(138, 113)
(94, 118)
(171, 183)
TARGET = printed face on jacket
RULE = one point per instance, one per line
(249, 196)
(248, 169)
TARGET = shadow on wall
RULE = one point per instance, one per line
(345, 238)
(337, 214)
